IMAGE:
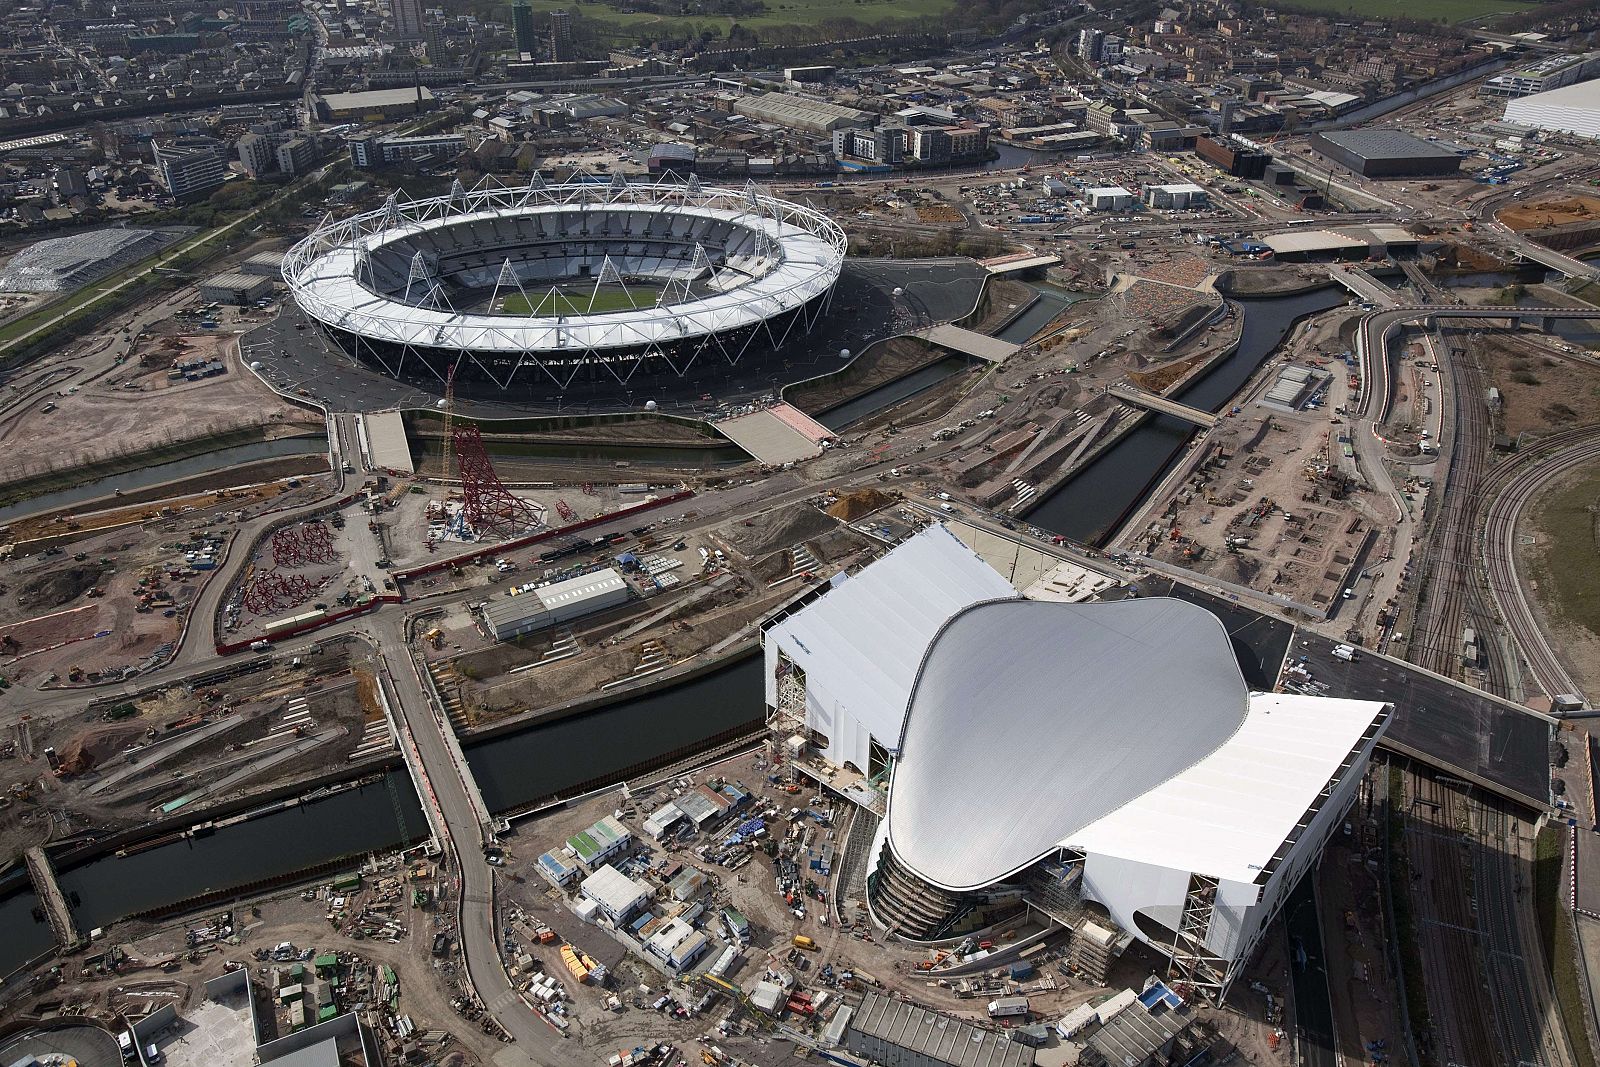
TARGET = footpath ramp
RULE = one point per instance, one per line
(775, 435)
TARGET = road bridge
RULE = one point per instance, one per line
(969, 342)
(1129, 394)
(1372, 336)
(1549, 257)
(54, 901)
(1364, 285)
(1018, 262)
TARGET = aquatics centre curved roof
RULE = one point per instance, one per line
(801, 252)
(1032, 720)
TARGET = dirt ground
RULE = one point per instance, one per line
(1543, 385)
(107, 418)
(124, 758)
(170, 963)
(1554, 212)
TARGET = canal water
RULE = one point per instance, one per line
(1090, 506)
(514, 771)
(554, 759)
(144, 477)
(1052, 299)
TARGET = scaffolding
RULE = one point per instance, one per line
(1192, 962)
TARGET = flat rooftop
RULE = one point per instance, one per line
(1384, 144)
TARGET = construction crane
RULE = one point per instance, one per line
(449, 423)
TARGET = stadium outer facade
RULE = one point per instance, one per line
(730, 266)
(1035, 756)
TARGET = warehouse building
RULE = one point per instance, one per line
(1574, 109)
(802, 112)
(1109, 198)
(921, 678)
(1175, 197)
(903, 1034)
(375, 105)
(1385, 153)
(264, 264)
(553, 604)
(235, 287)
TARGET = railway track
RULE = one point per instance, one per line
(1441, 616)
(1459, 1006)
(1509, 498)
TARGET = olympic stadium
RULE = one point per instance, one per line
(1065, 763)
(571, 288)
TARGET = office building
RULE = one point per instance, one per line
(189, 173)
(522, 26)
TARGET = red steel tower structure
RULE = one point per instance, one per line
(487, 504)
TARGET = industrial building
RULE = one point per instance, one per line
(1542, 76)
(898, 1032)
(617, 895)
(1175, 197)
(1160, 789)
(597, 845)
(1109, 198)
(1574, 109)
(801, 112)
(375, 105)
(235, 287)
(553, 604)
(1385, 153)
(1233, 156)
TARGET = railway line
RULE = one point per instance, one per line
(1489, 1001)
(1442, 609)
(1505, 505)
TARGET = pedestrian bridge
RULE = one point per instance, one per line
(1130, 394)
(969, 343)
(1018, 262)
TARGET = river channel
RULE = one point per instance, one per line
(221, 459)
(1089, 506)
(558, 758)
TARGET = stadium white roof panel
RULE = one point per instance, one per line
(1073, 710)
(1118, 728)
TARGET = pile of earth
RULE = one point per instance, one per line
(858, 504)
(54, 588)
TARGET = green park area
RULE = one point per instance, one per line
(642, 24)
(579, 300)
(1424, 10)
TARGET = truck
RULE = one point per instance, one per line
(1008, 1007)
(802, 941)
(1344, 652)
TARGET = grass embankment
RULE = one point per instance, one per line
(1405, 925)
(579, 300)
(1558, 937)
(1566, 564)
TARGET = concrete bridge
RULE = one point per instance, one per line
(1018, 262)
(969, 342)
(53, 900)
(1130, 394)
(1364, 285)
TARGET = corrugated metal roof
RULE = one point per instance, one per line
(938, 1037)
(1095, 703)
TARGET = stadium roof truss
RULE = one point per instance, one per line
(794, 257)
